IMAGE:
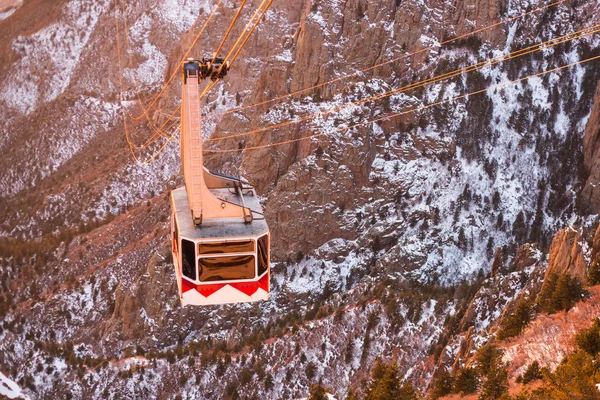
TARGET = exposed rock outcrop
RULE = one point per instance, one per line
(311, 199)
(494, 296)
(527, 255)
(596, 243)
(590, 196)
(566, 254)
(374, 207)
(465, 350)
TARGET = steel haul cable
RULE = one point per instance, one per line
(160, 132)
(358, 72)
(157, 135)
(176, 71)
(436, 79)
(154, 138)
(157, 131)
(247, 36)
(260, 6)
(127, 134)
(235, 18)
(518, 53)
(502, 22)
(251, 30)
(388, 117)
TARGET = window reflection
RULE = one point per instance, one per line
(226, 247)
(226, 268)
(263, 254)
(187, 259)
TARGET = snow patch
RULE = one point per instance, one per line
(10, 389)
(56, 47)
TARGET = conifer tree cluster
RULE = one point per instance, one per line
(489, 377)
(514, 323)
(533, 373)
(386, 384)
(560, 292)
(317, 392)
(594, 272)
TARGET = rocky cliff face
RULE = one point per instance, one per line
(591, 158)
(566, 254)
(383, 234)
(549, 338)
(596, 244)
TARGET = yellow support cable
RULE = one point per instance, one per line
(436, 79)
(485, 28)
(388, 117)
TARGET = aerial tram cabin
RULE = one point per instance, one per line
(220, 241)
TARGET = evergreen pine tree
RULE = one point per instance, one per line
(560, 292)
(568, 292)
(317, 392)
(496, 200)
(500, 221)
(385, 384)
(574, 378)
(442, 385)
(466, 381)
(269, 384)
(462, 239)
(538, 224)
(490, 247)
(545, 300)
(319, 152)
(310, 371)
(514, 323)
(496, 383)
(594, 272)
(497, 263)
(520, 228)
(488, 356)
(532, 373)
(588, 340)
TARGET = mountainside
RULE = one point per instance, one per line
(409, 239)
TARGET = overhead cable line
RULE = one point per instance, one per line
(127, 134)
(436, 79)
(158, 134)
(161, 131)
(176, 70)
(157, 130)
(244, 36)
(359, 72)
(157, 153)
(235, 18)
(212, 84)
(249, 33)
(390, 116)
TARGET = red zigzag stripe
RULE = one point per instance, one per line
(248, 288)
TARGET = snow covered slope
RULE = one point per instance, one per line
(383, 232)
